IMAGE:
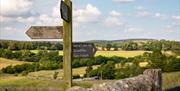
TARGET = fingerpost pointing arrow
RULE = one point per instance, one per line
(45, 32)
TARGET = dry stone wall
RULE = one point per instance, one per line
(150, 80)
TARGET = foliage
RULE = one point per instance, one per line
(107, 71)
(76, 76)
(55, 75)
(26, 55)
(88, 70)
(25, 45)
(108, 47)
(49, 65)
(24, 73)
(166, 63)
(130, 46)
(128, 71)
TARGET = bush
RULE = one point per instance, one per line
(55, 75)
(25, 73)
(16, 74)
(93, 73)
(128, 71)
(8, 69)
(76, 76)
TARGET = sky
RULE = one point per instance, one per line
(94, 19)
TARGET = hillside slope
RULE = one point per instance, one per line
(6, 62)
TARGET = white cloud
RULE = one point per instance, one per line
(176, 18)
(115, 13)
(14, 7)
(56, 10)
(5, 19)
(29, 20)
(11, 33)
(132, 29)
(88, 14)
(159, 15)
(143, 14)
(123, 1)
(139, 8)
(168, 28)
(113, 22)
(42, 20)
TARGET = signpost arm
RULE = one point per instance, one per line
(67, 47)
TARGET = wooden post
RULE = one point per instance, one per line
(67, 48)
(156, 75)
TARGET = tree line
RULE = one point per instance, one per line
(30, 45)
(50, 60)
(147, 46)
(27, 55)
(156, 59)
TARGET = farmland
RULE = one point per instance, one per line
(6, 62)
(44, 78)
(29, 82)
(111, 53)
(46, 62)
(120, 53)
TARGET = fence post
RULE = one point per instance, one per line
(156, 75)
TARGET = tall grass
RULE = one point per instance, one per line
(171, 79)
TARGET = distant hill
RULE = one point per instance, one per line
(123, 40)
(29, 41)
(97, 41)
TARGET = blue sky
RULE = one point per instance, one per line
(94, 19)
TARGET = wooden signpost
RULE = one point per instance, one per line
(45, 32)
(76, 50)
(83, 50)
(66, 12)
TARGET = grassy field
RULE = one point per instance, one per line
(31, 84)
(120, 53)
(171, 79)
(43, 80)
(44, 74)
(111, 53)
(27, 84)
(6, 62)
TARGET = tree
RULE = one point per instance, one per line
(55, 75)
(128, 71)
(107, 71)
(103, 48)
(108, 47)
(130, 46)
(115, 47)
(88, 70)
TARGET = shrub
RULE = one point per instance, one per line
(128, 71)
(55, 75)
(76, 76)
(24, 73)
